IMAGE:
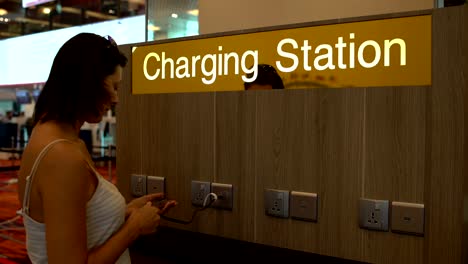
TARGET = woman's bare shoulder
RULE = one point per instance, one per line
(60, 152)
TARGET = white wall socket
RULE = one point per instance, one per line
(138, 184)
(304, 206)
(373, 214)
(200, 190)
(155, 184)
(408, 218)
(276, 203)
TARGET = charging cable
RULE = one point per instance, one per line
(207, 202)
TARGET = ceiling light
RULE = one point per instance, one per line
(174, 15)
(6, 19)
(153, 27)
(46, 10)
(193, 12)
(111, 11)
(1, 19)
(3, 12)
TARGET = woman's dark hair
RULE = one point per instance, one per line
(75, 87)
(266, 75)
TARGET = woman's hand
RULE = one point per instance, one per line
(163, 206)
(141, 201)
(145, 219)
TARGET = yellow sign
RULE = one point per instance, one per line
(388, 52)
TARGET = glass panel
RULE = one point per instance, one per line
(172, 19)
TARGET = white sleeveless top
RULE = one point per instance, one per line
(105, 214)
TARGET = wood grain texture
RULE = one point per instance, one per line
(177, 143)
(394, 167)
(235, 162)
(128, 121)
(279, 153)
(310, 140)
(445, 157)
(464, 29)
(396, 143)
(341, 139)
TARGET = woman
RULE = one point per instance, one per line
(72, 214)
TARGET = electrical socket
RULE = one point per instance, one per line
(304, 206)
(138, 184)
(408, 218)
(373, 214)
(277, 203)
(225, 195)
(155, 184)
(200, 190)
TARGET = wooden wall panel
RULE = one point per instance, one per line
(129, 122)
(177, 143)
(394, 167)
(303, 149)
(282, 159)
(310, 140)
(235, 162)
(341, 139)
(398, 143)
(443, 185)
(464, 67)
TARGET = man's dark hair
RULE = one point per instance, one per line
(266, 75)
(75, 87)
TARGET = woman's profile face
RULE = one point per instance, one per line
(111, 84)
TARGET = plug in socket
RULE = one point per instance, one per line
(277, 203)
(373, 214)
(200, 190)
(138, 184)
(225, 195)
(155, 184)
(304, 206)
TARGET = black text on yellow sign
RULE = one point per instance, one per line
(389, 52)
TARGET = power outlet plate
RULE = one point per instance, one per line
(200, 190)
(138, 184)
(304, 206)
(155, 184)
(373, 214)
(225, 195)
(408, 218)
(277, 203)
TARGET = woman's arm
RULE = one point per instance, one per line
(65, 186)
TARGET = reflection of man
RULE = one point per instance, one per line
(267, 78)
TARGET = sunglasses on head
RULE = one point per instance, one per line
(111, 41)
(266, 68)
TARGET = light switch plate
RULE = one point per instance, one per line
(408, 218)
(138, 184)
(277, 203)
(155, 184)
(225, 195)
(304, 206)
(373, 214)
